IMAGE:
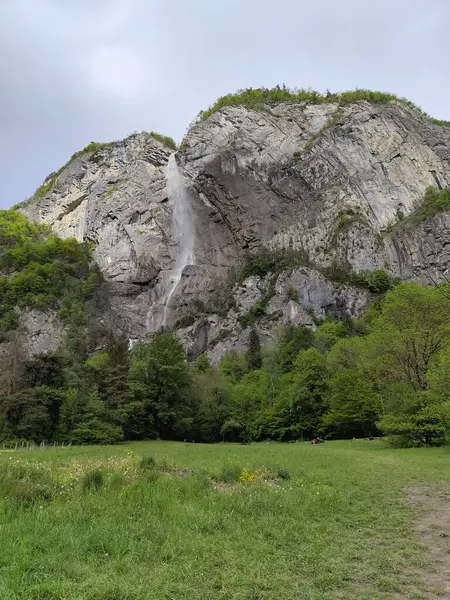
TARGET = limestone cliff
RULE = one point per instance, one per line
(323, 180)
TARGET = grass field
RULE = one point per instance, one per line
(339, 527)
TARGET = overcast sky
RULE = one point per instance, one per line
(77, 71)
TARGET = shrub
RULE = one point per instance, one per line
(338, 273)
(399, 441)
(97, 432)
(117, 480)
(26, 493)
(283, 474)
(229, 474)
(434, 201)
(427, 427)
(267, 261)
(147, 463)
(377, 282)
(256, 313)
(164, 139)
(52, 179)
(92, 481)
(258, 97)
(41, 270)
(292, 293)
(186, 320)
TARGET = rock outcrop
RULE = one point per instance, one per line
(323, 180)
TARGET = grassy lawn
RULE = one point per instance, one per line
(338, 528)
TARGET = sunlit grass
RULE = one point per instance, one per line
(336, 527)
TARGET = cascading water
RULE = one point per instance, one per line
(183, 229)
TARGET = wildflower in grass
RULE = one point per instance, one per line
(247, 476)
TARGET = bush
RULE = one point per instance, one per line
(97, 432)
(257, 312)
(92, 481)
(427, 427)
(147, 463)
(229, 474)
(283, 474)
(399, 441)
(338, 273)
(117, 480)
(292, 293)
(434, 201)
(25, 484)
(52, 179)
(258, 97)
(164, 139)
(26, 493)
(195, 311)
(273, 261)
(377, 282)
(41, 270)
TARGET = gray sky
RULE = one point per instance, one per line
(77, 71)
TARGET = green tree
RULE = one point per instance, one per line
(31, 414)
(328, 333)
(247, 398)
(438, 375)
(45, 370)
(231, 431)
(304, 403)
(114, 380)
(211, 402)
(234, 366)
(355, 407)
(254, 357)
(345, 354)
(412, 329)
(202, 364)
(428, 426)
(162, 381)
(292, 340)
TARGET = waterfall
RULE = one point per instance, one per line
(183, 229)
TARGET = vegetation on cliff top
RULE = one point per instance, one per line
(251, 98)
(51, 179)
(164, 139)
(258, 97)
(92, 147)
(434, 202)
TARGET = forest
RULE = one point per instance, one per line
(387, 373)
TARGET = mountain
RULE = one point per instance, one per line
(300, 208)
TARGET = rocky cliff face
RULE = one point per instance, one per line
(326, 181)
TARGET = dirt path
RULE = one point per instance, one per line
(434, 529)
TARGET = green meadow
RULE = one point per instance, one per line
(166, 520)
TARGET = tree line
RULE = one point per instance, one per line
(386, 373)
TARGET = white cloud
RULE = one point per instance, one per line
(72, 72)
(115, 71)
